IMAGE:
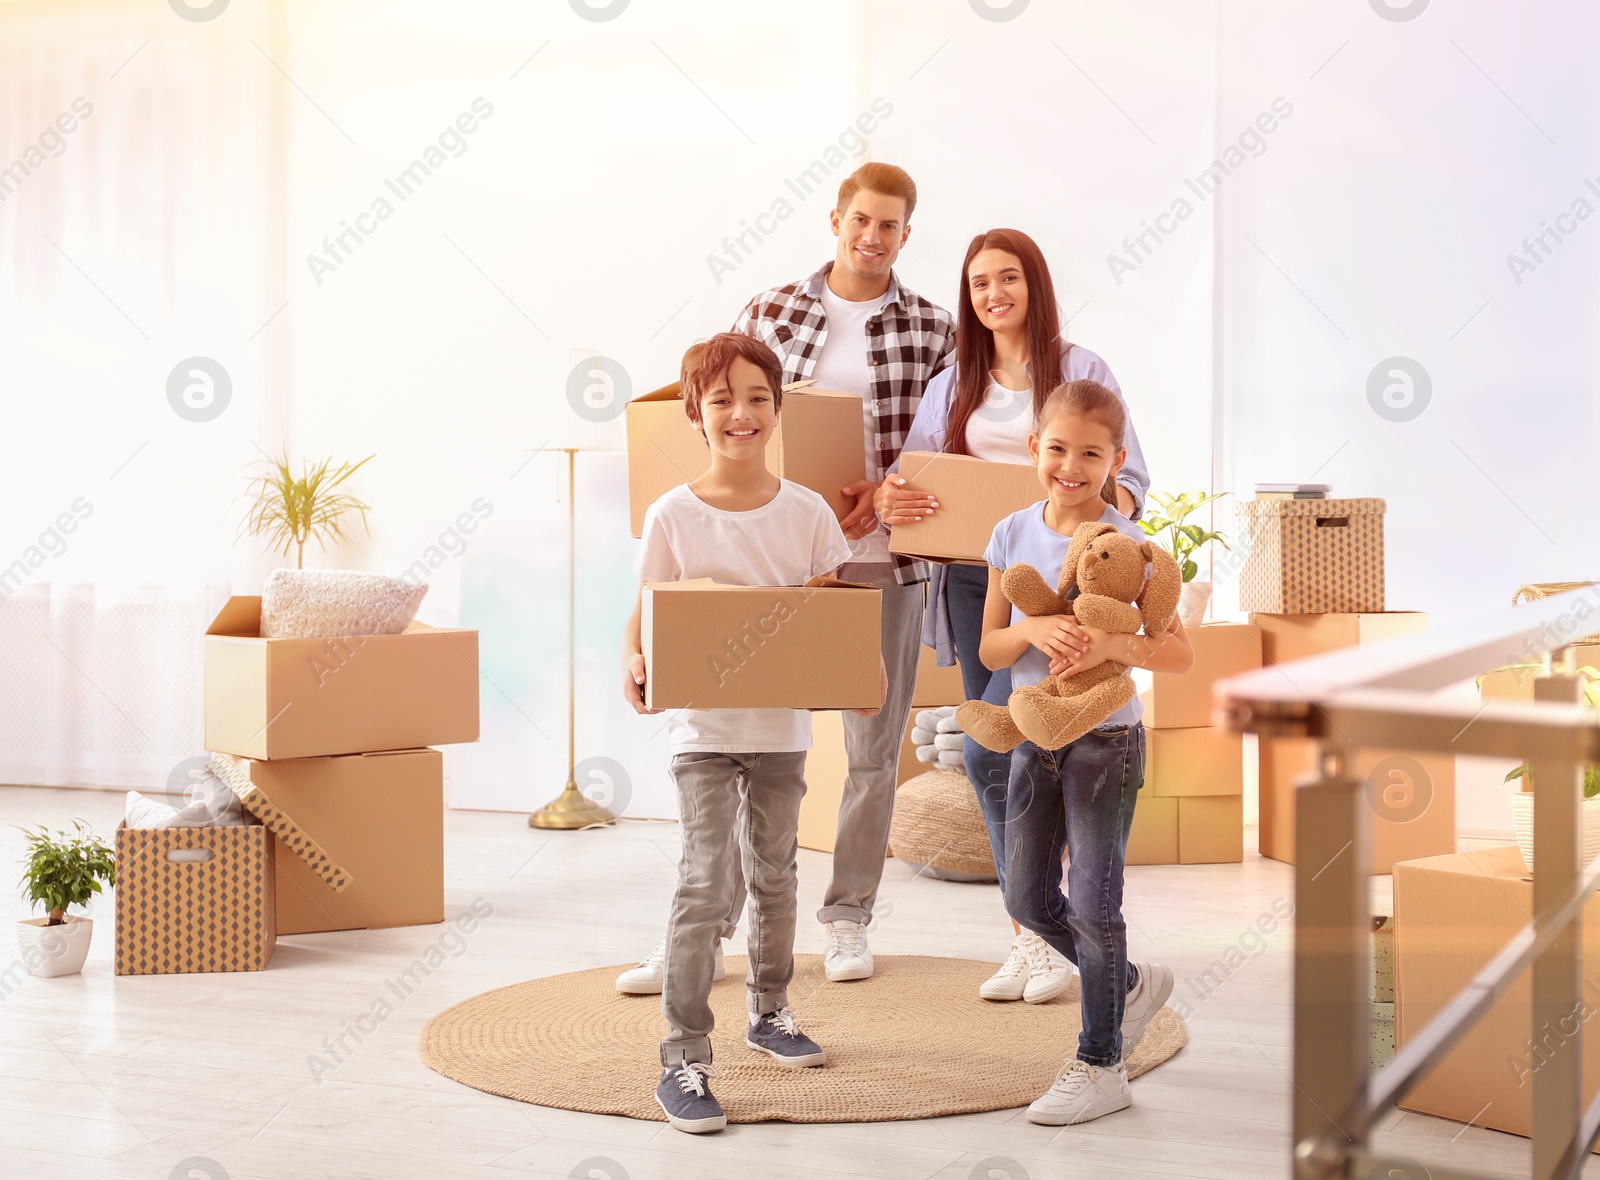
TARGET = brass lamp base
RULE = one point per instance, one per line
(570, 811)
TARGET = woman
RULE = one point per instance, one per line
(984, 406)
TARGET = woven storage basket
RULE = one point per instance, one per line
(1312, 556)
(1538, 590)
(937, 825)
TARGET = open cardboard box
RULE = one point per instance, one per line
(974, 495)
(303, 698)
(710, 646)
(205, 899)
(817, 444)
(379, 816)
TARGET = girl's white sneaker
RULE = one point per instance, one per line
(1049, 971)
(1082, 1092)
(1011, 980)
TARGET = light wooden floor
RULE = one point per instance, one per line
(102, 1077)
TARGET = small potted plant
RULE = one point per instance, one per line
(1183, 541)
(61, 869)
(1522, 795)
(288, 509)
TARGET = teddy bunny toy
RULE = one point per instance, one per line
(1106, 569)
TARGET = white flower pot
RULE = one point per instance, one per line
(54, 950)
(1522, 821)
(1192, 603)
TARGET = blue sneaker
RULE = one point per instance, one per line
(776, 1035)
(685, 1098)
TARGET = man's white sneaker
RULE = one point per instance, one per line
(645, 979)
(1049, 972)
(847, 956)
(1143, 1002)
(1082, 1092)
(1011, 980)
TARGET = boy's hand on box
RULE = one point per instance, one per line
(633, 684)
(861, 519)
(898, 503)
(1058, 636)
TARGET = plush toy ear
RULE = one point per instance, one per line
(1158, 601)
(1081, 538)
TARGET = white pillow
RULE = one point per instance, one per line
(310, 604)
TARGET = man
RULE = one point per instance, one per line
(852, 326)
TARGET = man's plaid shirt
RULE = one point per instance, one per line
(908, 341)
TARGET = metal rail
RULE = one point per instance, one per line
(1380, 697)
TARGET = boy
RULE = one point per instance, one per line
(740, 525)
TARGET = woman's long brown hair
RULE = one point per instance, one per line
(975, 342)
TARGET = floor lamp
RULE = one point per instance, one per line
(598, 419)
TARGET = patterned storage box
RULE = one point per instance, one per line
(194, 899)
(1307, 557)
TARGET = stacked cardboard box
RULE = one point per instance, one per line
(1191, 810)
(324, 741)
(1412, 795)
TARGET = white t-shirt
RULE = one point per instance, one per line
(998, 430)
(792, 537)
(842, 364)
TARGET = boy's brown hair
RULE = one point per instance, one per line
(879, 178)
(708, 361)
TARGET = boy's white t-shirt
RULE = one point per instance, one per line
(792, 537)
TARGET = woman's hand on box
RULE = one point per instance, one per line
(897, 502)
(861, 519)
(633, 684)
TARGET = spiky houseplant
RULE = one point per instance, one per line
(1180, 539)
(63, 869)
(289, 510)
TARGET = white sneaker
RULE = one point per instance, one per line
(1049, 971)
(1082, 1092)
(1011, 980)
(645, 979)
(847, 956)
(1143, 1002)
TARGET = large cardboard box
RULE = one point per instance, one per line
(304, 698)
(1153, 839)
(1210, 829)
(974, 496)
(1183, 700)
(194, 899)
(380, 816)
(709, 646)
(1193, 762)
(1412, 797)
(1304, 556)
(935, 686)
(1451, 915)
(817, 444)
(1286, 638)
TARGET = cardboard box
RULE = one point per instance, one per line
(1516, 684)
(1286, 638)
(1153, 840)
(194, 899)
(974, 496)
(380, 816)
(1412, 797)
(304, 698)
(1210, 829)
(1193, 762)
(826, 768)
(818, 443)
(709, 646)
(1452, 913)
(1306, 556)
(1183, 700)
(936, 686)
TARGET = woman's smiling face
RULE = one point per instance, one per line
(998, 290)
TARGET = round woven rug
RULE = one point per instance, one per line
(912, 1042)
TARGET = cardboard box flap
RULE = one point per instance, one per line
(1360, 507)
(240, 615)
(828, 583)
(231, 771)
(667, 393)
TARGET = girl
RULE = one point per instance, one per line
(1079, 799)
(984, 406)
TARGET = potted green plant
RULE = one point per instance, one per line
(1522, 795)
(60, 870)
(288, 509)
(1183, 541)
